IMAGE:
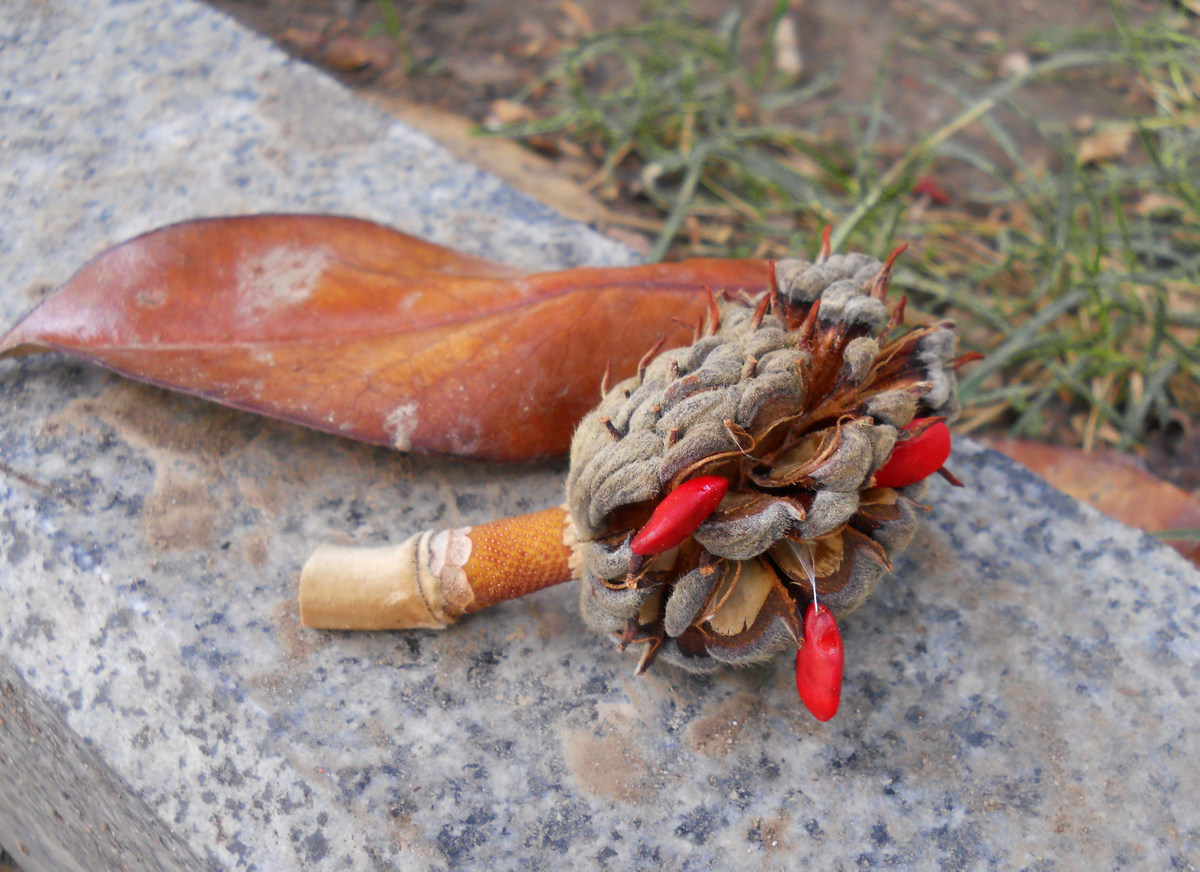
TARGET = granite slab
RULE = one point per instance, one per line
(1021, 693)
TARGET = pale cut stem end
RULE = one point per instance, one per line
(346, 588)
(435, 577)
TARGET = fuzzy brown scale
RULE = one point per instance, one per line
(797, 399)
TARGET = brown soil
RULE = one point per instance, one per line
(443, 66)
(461, 56)
(447, 66)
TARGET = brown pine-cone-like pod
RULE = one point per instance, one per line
(797, 400)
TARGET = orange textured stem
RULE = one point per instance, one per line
(517, 556)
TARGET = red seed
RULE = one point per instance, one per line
(819, 663)
(679, 514)
(917, 457)
(927, 186)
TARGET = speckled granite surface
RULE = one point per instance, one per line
(1021, 694)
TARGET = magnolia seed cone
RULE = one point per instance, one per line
(797, 399)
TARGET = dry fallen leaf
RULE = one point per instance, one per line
(954, 13)
(1109, 143)
(581, 23)
(1015, 63)
(359, 330)
(505, 112)
(302, 41)
(350, 53)
(1154, 202)
(1083, 122)
(789, 62)
(1112, 483)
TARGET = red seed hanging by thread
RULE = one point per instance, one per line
(820, 663)
(917, 457)
(679, 514)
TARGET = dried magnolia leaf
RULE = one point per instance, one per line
(359, 330)
(1112, 483)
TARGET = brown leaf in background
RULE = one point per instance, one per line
(1112, 483)
(351, 53)
(359, 330)
(580, 22)
(1107, 144)
(502, 112)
